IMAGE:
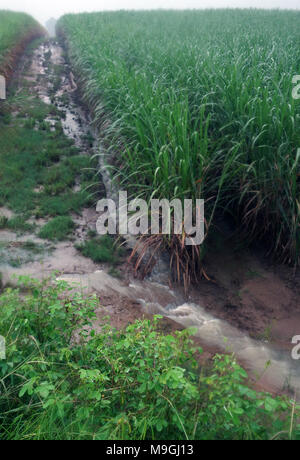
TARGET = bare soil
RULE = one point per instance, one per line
(252, 293)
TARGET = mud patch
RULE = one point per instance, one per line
(18, 253)
(248, 291)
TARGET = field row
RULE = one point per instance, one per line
(199, 105)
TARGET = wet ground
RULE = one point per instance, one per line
(62, 256)
(249, 306)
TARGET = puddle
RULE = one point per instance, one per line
(15, 257)
(74, 122)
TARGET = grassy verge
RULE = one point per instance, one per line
(135, 383)
(16, 31)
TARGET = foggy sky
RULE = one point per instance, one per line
(43, 10)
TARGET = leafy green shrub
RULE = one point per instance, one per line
(57, 229)
(136, 383)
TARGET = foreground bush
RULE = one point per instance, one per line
(131, 384)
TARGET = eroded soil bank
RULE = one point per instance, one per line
(249, 306)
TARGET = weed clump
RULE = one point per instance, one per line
(16, 224)
(102, 249)
(57, 229)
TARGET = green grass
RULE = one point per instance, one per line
(30, 159)
(38, 167)
(17, 224)
(130, 384)
(57, 229)
(198, 104)
(102, 249)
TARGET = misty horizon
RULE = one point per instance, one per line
(44, 12)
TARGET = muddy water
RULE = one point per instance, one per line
(74, 121)
(272, 365)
